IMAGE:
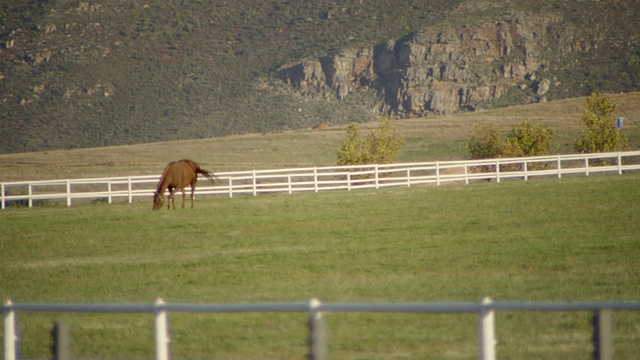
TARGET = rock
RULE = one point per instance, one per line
(543, 87)
(436, 71)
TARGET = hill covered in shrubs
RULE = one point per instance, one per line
(89, 74)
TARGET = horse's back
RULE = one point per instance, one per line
(192, 164)
(180, 173)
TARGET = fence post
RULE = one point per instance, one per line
(315, 179)
(30, 194)
(349, 180)
(498, 171)
(559, 168)
(130, 189)
(437, 173)
(619, 163)
(161, 331)
(255, 185)
(68, 192)
(2, 196)
(317, 332)
(526, 169)
(10, 337)
(466, 174)
(602, 339)
(109, 190)
(230, 187)
(61, 341)
(408, 177)
(487, 330)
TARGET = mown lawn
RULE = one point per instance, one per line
(569, 239)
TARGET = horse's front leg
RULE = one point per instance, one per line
(170, 200)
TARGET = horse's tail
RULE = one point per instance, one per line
(208, 174)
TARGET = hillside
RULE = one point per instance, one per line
(91, 74)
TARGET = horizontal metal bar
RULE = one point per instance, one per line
(337, 307)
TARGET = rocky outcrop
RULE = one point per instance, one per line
(445, 70)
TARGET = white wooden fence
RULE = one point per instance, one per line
(317, 339)
(326, 178)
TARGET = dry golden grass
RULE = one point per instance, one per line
(426, 139)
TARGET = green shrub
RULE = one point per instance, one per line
(600, 133)
(528, 139)
(485, 141)
(380, 146)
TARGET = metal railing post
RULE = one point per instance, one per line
(161, 331)
(10, 337)
(487, 330)
(61, 341)
(317, 332)
(602, 339)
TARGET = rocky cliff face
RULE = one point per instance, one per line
(445, 70)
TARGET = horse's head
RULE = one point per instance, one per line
(158, 200)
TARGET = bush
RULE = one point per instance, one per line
(526, 139)
(600, 133)
(381, 146)
(485, 141)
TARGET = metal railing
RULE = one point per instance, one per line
(317, 339)
(318, 179)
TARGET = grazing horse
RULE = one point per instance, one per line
(176, 176)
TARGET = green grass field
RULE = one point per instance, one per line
(569, 239)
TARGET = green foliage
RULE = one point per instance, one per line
(600, 133)
(353, 149)
(528, 139)
(485, 141)
(525, 139)
(381, 146)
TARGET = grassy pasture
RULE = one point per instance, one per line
(569, 239)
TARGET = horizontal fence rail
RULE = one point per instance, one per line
(318, 179)
(317, 339)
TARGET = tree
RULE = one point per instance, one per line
(600, 133)
(381, 146)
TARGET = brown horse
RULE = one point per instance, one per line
(176, 176)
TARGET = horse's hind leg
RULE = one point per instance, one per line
(183, 197)
(193, 191)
